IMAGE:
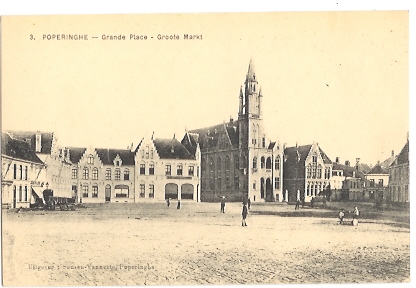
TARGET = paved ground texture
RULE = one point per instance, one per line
(148, 244)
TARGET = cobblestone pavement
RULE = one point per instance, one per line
(148, 244)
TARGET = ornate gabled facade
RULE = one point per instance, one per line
(307, 172)
(167, 170)
(103, 175)
(237, 159)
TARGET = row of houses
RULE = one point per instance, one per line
(235, 159)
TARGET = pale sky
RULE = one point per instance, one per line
(338, 78)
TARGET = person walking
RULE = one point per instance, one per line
(297, 204)
(355, 215)
(248, 203)
(179, 205)
(168, 202)
(223, 204)
(341, 215)
(244, 215)
(303, 201)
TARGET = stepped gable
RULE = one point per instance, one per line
(107, 156)
(171, 149)
(75, 154)
(45, 141)
(18, 149)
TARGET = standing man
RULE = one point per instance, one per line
(223, 204)
(297, 204)
(248, 203)
(355, 215)
(168, 202)
(244, 215)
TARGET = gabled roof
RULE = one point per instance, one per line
(291, 153)
(46, 139)
(18, 149)
(107, 156)
(75, 154)
(171, 149)
(403, 157)
(377, 170)
(271, 145)
(364, 168)
(208, 137)
(386, 163)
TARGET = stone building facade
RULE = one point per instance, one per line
(399, 177)
(166, 169)
(238, 161)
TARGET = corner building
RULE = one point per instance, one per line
(236, 159)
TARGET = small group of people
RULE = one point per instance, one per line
(355, 215)
(244, 212)
(168, 203)
(298, 203)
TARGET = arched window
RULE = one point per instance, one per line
(85, 190)
(269, 163)
(108, 174)
(126, 174)
(95, 173)
(151, 168)
(219, 172)
(90, 159)
(117, 174)
(262, 164)
(227, 171)
(211, 173)
(277, 163)
(319, 172)
(85, 173)
(309, 171)
(255, 163)
(94, 191)
(236, 162)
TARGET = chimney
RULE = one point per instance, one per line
(378, 162)
(38, 143)
(392, 153)
(347, 163)
(337, 160)
(231, 119)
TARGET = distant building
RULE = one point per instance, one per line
(377, 181)
(307, 172)
(20, 170)
(237, 159)
(399, 177)
(386, 163)
(166, 169)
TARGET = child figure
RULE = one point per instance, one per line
(341, 215)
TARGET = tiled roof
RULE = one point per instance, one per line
(107, 156)
(18, 149)
(208, 137)
(46, 139)
(386, 163)
(76, 153)
(171, 149)
(325, 157)
(291, 153)
(271, 145)
(377, 170)
(403, 157)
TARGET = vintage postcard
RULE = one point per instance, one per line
(205, 148)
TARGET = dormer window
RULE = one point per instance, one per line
(172, 150)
